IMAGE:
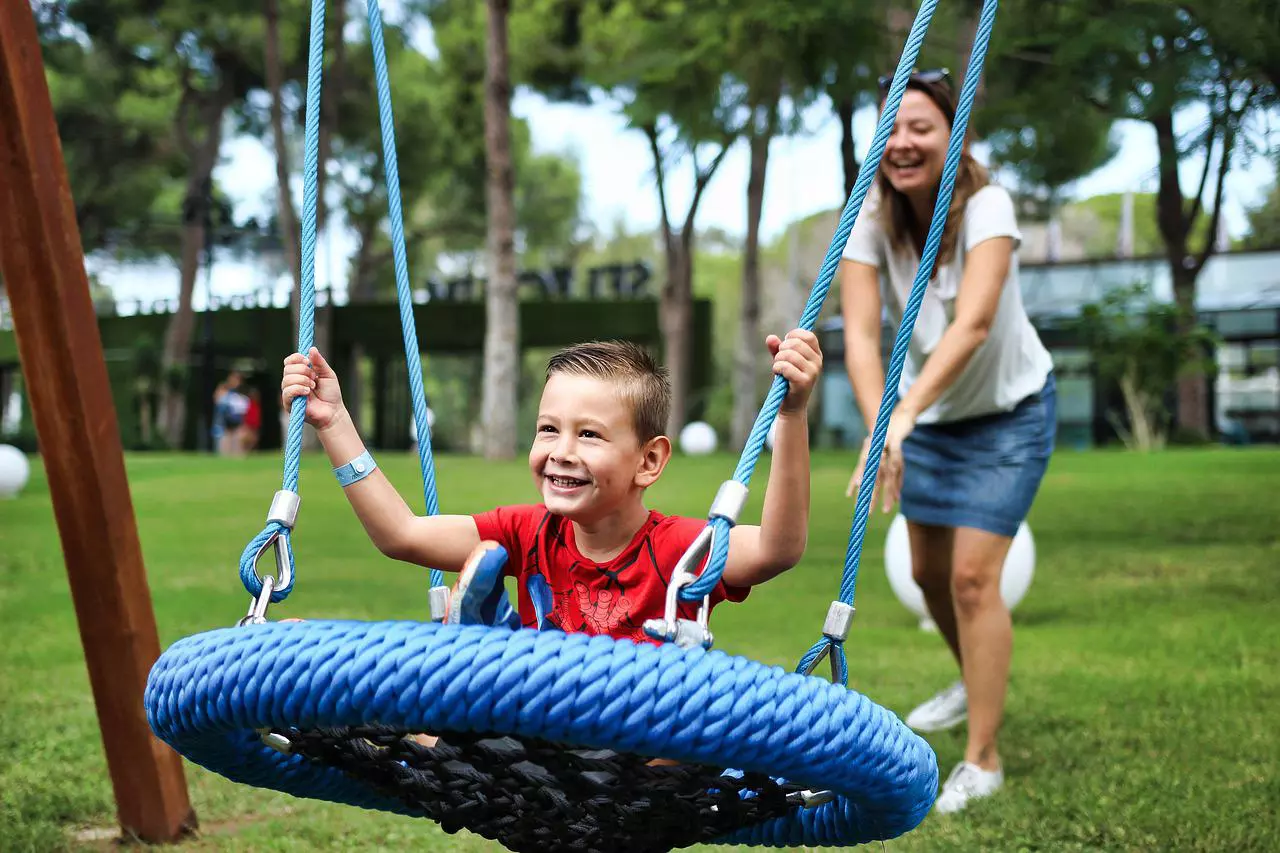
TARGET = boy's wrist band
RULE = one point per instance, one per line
(355, 470)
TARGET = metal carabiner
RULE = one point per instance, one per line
(257, 614)
(685, 633)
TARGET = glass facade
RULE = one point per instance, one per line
(1238, 296)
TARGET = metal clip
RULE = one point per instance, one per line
(685, 633)
(438, 601)
(257, 614)
(810, 799)
(276, 741)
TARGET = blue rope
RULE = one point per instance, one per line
(778, 389)
(208, 694)
(306, 308)
(306, 314)
(923, 274)
(755, 443)
(413, 359)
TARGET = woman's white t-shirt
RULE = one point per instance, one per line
(1011, 364)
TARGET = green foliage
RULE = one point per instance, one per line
(114, 118)
(1142, 345)
(1142, 61)
(1264, 219)
(1096, 222)
(1247, 31)
(439, 109)
(1048, 143)
(136, 84)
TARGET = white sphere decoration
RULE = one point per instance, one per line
(698, 438)
(1015, 579)
(14, 471)
(413, 422)
(413, 426)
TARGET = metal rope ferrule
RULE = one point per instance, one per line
(281, 518)
(729, 501)
(283, 512)
(438, 602)
(835, 629)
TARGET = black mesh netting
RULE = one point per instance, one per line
(542, 797)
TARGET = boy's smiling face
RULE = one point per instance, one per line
(586, 459)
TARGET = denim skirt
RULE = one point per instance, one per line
(980, 472)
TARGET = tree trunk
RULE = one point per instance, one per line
(845, 109)
(177, 338)
(967, 36)
(675, 304)
(749, 350)
(361, 290)
(502, 317)
(675, 317)
(287, 215)
(1175, 225)
(1193, 385)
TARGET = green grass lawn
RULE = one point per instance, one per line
(1145, 685)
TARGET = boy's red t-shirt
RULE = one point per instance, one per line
(613, 598)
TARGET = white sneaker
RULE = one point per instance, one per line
(947, 709)
(967, 782)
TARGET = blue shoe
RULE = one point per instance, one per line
(480, 597)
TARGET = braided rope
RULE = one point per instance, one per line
(924, 273)
(306, 309)
(412, 356)
(817, 296)
(751, 453)
(209, 694)
(306, 315)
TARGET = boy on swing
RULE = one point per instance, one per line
(590, 557)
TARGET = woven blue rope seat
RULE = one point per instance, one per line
(212, 696)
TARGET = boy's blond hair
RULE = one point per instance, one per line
(642, 384)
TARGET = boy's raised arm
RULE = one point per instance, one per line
(757, 554)
(439, 541)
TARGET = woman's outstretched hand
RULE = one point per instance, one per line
(889, 477)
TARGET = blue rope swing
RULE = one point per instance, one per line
(212, 696)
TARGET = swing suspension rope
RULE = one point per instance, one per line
(715, 541)
(284, 507)
(319, 709)
(839, 616)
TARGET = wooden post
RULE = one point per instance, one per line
(66, 378)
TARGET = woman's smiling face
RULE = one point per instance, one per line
(916, 151)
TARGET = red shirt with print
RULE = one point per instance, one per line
(613, 598)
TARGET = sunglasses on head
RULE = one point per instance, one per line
(932, 75)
